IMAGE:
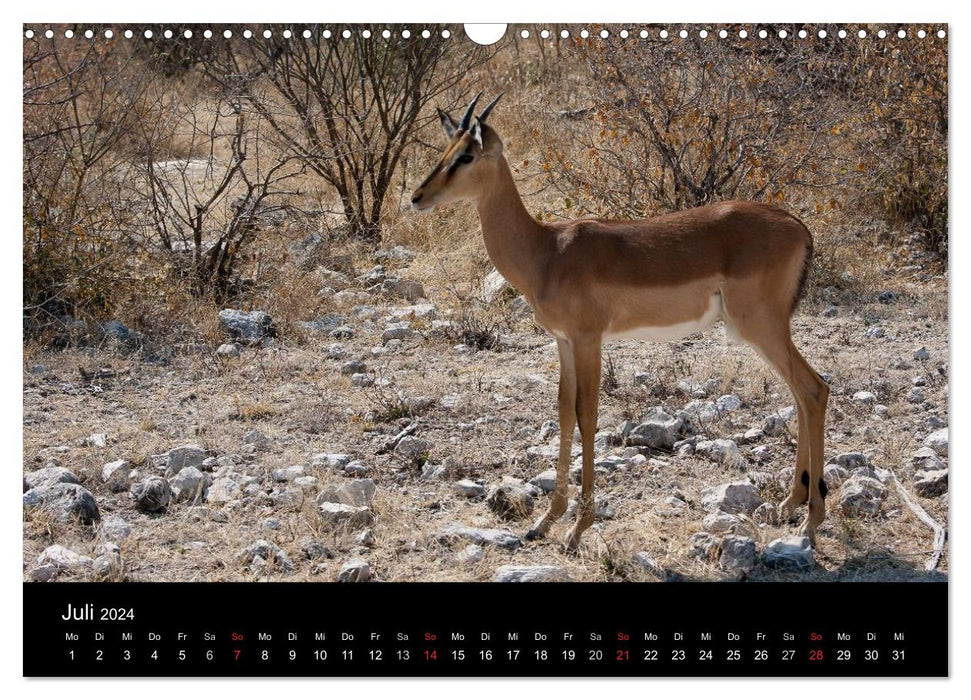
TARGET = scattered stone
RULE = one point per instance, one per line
(152, 495)
(315, 549)
(288, 474)
(504, 539)
(657, 429)
(703, 545)
(357, 493)
(861, 496)
(494, 287)
(354, 367)
(228, 351)
(470, 489)
(775, 424)
(728, 402)
(926, 459)
(43, 573)
(938, 441)
(48, 476)
(115, 528)
(433, 472)
(397, 331)
(830, 312)
(225, 489)
(766, 514)
(648, 563)
(178, 458)
(115, 475)
(96, 440)
(472, 554)
(922, 354)
(545, 481)
(357, 468)
(250, 327)
(722, 451)
(109, 566)
(881, 411)
(850, 460)
(720, 522)
(261, 553)
(64, 559)
(403, 288)
(510, 501)
(342, 514)
(792, 553)
(737, 553)
(326, 460)
(365, 537)
(867, 398)
(65, 503)
(530, 574)
(834, 475)
(354, 571)
(753, 435)
(413, 448)
(931, 484)
(190, 485)
(334, 351)
(734, 497)
(874, 332)
(397, 254)
(915, 395)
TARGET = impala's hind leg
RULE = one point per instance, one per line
(586, 356)
(769, 334)
(567, 405)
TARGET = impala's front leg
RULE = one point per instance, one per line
(566, 402)
(586, 356)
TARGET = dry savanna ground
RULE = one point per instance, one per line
(474, 415)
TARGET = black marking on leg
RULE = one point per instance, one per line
(532, 535)
(805, 479)
(822, 489)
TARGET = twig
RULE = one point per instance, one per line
(940, 533)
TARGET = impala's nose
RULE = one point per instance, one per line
(416, 197)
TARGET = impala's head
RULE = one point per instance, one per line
(470, 161)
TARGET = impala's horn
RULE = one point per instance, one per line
(488, 109)
(467, 119)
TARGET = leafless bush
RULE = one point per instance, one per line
(675, 123)
(348, 108)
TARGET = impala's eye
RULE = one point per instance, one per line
(465, 158)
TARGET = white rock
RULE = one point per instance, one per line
(734, 497)
(115, 475)
(791, 553)
(938, 441)
(861, 496)
(354, 571)
(48, 476)
(359, 492)
(64, 559)
(340, 514)
(470, 489)
(527, 574)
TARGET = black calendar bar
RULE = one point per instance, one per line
(484, 629)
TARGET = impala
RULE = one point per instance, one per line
(591, 280)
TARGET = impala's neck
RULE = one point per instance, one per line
(516, 242)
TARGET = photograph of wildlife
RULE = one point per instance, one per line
(351, 303)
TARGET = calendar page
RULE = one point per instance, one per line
(526, 350)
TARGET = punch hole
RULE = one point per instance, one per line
(485, 34)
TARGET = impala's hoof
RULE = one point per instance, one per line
(533, 534)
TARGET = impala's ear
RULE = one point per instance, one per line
(448, 124)
(487, 138)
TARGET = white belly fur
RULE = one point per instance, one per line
(676, 331)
